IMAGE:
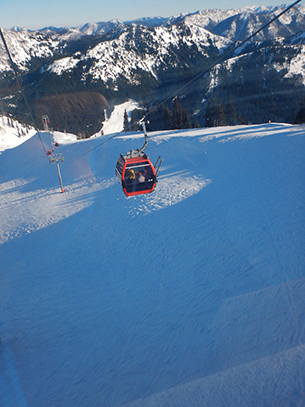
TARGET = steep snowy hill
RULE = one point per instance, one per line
(152, 60)
(115, 123)
(232, 25)
(13, 133)
(190, 296)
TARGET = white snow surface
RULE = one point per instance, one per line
(119, 56)
(190, 296)
(297, 66)
(13, 134)
(115, 123)
(24, 45)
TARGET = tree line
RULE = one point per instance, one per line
(175, 116)
(160, 117)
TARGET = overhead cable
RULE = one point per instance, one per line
(20, 87)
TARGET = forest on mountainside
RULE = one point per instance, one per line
(179, 84)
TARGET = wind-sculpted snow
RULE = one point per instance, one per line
(40, 208)
(220, 389)
(190, 296)
(171, 189)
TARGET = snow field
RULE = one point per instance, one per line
(192, 295)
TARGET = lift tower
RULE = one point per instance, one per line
(54, 158)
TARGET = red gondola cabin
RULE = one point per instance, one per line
(135, 171)
(136, 174)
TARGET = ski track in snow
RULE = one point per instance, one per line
(27, 212)
(170, 190)
(115, 123)
(220, 389)
(190, 296)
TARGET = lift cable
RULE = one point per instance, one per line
(100, 144)
(223, 57)
(21, 90)
(218, 61)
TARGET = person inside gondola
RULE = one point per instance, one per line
(131, 174)
(141, 177)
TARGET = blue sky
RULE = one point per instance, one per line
(36, 14)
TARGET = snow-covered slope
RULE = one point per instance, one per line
(139, 48)
(190, 296)
(25, 45)
(13, 133)
(115, 123)
(204, 27)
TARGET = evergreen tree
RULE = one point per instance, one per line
(231, 113)
(222, 121)
(186, 120)
(214, 113)
(134, 124)
(300, 118)
(209, 115)
(180, 117)
(241, 120)
(176, 118)
(126, 121)
(196, 124)
(167, 118)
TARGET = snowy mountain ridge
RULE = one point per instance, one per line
(42, 43)
(114, 57)
(148, 61)
(207, 18)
